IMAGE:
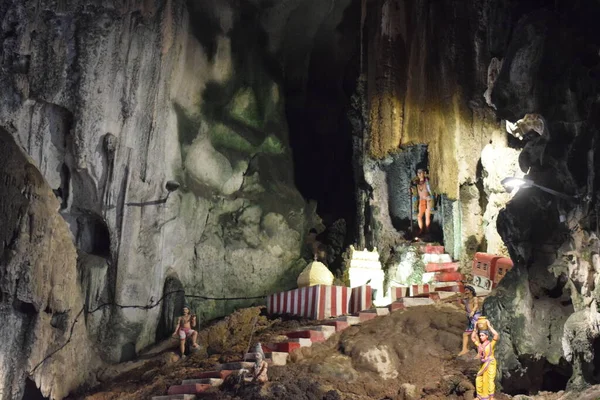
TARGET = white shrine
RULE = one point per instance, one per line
(364, 268)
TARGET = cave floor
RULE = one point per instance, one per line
(415, 346)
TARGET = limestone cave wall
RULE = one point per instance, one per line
(112, 100)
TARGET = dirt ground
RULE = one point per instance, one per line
(407, 355)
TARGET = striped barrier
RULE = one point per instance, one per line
(361, 298)
(420, 290)
(399, 292)
(316, 302)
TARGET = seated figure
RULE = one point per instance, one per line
(258, 374)
(183, 330)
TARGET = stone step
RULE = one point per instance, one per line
(366, 316)
(379, 311)
(218, 374)
(338, 325)
(315, 336)
(448, 277)
(203, 381)
(432, 249)
(436, 258)
(273, 358)
(303, 341)
(350, 319)
(236, 365)
(175, 397)
(454, 287)
(396, 305)
(416, 301)
(434, 296)
(445, 295)
(286, 347)
(443, 267)
(194, 388)
(326, 329)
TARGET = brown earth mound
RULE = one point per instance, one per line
(406, 355)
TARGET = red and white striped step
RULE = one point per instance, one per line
(442, 267)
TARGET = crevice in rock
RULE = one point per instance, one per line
(536, 374)
(92, 235)
(32, 392)
(60, 320)
(591, 371)
(128, 352)
(24, 307)
(172, 307)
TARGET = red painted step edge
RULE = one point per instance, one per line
(188, 389)
(444, 267)
(315, 336)
(339, 325)
(448, 277)
(286, 347)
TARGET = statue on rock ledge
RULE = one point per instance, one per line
(183, 329)
(422, 200)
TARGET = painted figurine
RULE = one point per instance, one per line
(422, 196)
(485, 381)
(258, 374)
(183, 329)
(473, 313)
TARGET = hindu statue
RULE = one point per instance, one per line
(484, 382)
(473, 312)
(422, 200)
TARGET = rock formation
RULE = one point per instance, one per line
(111, 101)
(249, 103)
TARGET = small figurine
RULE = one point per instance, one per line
(473, 313)
(422, 197)
(485, 381)
(259, 370)
(183, 330)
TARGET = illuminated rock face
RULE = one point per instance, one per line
(546, 299)
(39, 284)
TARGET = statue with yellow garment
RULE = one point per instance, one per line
(485, 381)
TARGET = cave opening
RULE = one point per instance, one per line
(594, 375)
(32, 392)
(556, 377)
(317, 104)
(93, 236)
(537, 375)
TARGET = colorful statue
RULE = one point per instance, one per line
(422, 198)
(183, 329)
(485, 381)
(473, 313)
